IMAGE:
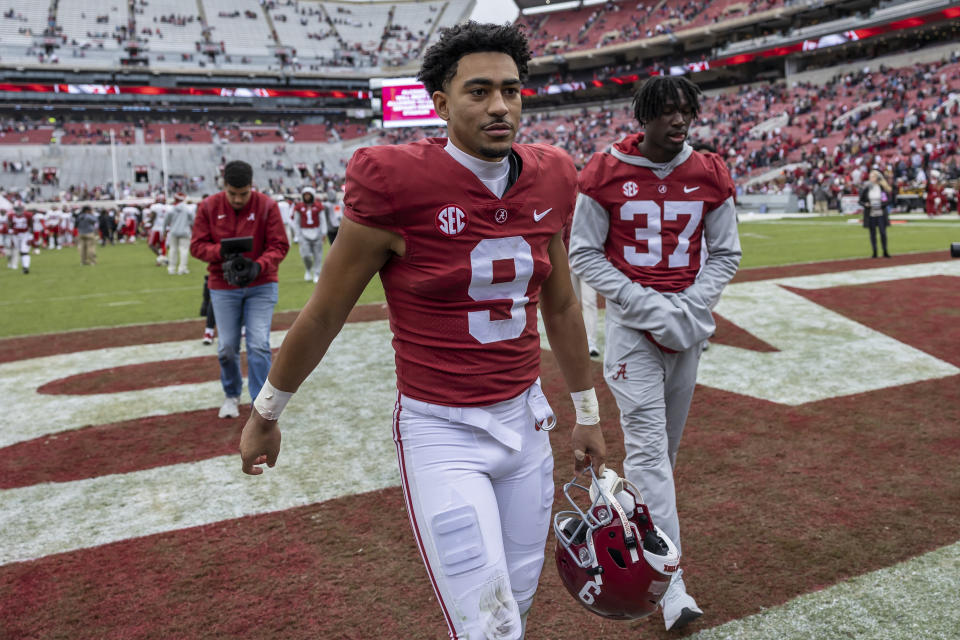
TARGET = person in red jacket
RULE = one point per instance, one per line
(243, 286)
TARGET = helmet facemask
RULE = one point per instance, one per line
(610, 555)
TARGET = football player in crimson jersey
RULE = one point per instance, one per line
(465, 233)
(655, 233)
(20, 222)
(310, 228)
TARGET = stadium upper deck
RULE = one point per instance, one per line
(225, 35)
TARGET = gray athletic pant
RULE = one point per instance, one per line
(311, 250)
(653, 389)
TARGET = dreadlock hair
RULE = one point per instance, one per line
(440, 61)
(653, 95)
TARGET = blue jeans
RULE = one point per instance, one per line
(250, 307)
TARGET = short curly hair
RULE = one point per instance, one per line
(440, 61)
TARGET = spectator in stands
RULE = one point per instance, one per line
(243, 287)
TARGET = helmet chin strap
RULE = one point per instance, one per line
(628, 536)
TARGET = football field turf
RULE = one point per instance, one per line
(819, 478)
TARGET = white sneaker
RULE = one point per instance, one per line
(307, 276)
(230, 408)
(316, 278)
(679, 609)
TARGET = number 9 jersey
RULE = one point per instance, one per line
(463, 298)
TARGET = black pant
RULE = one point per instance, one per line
(875, 224)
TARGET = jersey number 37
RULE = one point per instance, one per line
(652, 232)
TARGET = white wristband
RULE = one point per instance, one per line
(586, 405)
(271, 401)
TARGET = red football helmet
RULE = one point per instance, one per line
(610, 556)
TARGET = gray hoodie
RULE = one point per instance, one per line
(677, 315)
(179, 220)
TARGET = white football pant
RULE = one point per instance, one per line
(480, 508)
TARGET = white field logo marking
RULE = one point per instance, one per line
(822, 354)
(352, 392)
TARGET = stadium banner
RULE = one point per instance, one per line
(406, 103)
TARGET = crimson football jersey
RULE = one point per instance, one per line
(20, 222)
(656, 223)
(463, 298)
(308, 215)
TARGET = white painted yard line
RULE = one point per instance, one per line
(913, 600)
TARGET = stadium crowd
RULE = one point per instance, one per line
(817, 140)
(619, 22)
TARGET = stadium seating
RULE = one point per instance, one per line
(245, 32)
(83, 22)
(610, 23)
(170, 37)
(19, 25)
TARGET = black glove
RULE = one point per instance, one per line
(240, 271)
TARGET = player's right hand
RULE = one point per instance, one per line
(259, 443)
(589, 447)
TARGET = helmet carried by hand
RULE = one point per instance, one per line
(610, 555)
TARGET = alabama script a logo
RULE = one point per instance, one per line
(621, 373)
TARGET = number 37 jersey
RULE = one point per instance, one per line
(463, 297)
(656, 212)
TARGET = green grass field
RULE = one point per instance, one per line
(126, 287)
(777, 242)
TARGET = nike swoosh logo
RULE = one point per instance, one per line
(690, 190)
(538, 217)
(221, 217)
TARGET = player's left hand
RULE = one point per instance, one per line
(259, 443)
(589, 447)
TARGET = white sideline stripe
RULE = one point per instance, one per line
(336, 441)
(916, 599)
